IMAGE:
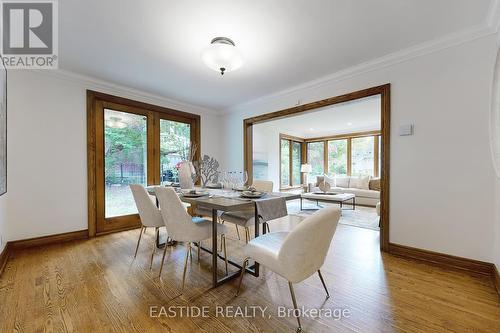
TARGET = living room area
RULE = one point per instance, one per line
(331, 155)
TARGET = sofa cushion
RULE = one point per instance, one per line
(363, 193)
(342, 181)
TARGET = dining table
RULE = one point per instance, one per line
(218, 200)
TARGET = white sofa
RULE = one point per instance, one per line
(364, 197)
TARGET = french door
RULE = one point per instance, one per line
(131, 142)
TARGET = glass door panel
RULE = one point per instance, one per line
(175, 145)
(125, 160)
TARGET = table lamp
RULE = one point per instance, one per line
(305, 169)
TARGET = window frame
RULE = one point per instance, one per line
(96, 103)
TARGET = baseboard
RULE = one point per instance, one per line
(442, 260)
(45, 240)
(4, 257)
(102, 233)
(496, 278)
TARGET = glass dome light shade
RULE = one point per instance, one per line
(222, 56)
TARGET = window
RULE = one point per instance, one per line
(316, 157)
(175, 138)
(125, 160)
(363, 154)
(285, 162)
(130, 142)
(291, 161)
(337, 157)
(296, 163)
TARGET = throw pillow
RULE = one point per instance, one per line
(374, 184)
(364, 182)
(330, 180)
(324, 186)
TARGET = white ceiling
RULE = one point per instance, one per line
(155, 45)
(351, 117)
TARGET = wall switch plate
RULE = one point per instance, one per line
(405, 130)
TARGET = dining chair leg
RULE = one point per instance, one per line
(223, 237)
(237, 231)
(163, 259)
(199, 246)
(154, 251)
(243, 269)
(188, 250)
(299, 329)
(247, 235)
(324, 284)
(138, 242)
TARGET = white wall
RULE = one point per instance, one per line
(266, 140)
(442, 188)
(3, 226)
(495, 150)
(496, 247)
(47, 153)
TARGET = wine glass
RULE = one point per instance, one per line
(225, 181)
(232, 179)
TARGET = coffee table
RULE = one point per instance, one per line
(339, 198)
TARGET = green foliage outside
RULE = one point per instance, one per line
(315, 157)
(337, 157)
(128, 146)
(174, 145)
(285, 162)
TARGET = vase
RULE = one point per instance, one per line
(186, 171)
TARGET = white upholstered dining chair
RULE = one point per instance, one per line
(184, 228)
(246, 218)
(148, 212)
(298, 254)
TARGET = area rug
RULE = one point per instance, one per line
(362, 217)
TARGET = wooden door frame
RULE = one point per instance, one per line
(95, 102)
(385, 92)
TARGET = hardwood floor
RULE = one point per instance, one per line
(96, 286)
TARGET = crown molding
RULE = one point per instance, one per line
(489, 27)
(123, 91)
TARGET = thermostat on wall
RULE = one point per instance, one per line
(405, 130)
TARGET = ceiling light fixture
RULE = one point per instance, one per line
(222, 55)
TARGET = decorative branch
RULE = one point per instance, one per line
(207, 170)
(192, 151)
